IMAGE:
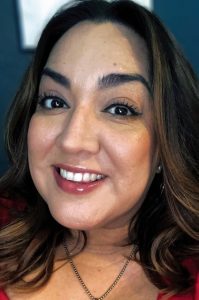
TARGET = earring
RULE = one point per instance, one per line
(161, 189)
(159, 169)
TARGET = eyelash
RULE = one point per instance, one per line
(42, 99)
(123, 104)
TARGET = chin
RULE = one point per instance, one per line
(78, 222)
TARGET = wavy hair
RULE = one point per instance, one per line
(165, 229)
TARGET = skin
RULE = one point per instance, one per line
(88, 134)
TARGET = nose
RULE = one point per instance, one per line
(80, 132)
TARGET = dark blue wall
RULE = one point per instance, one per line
(180, 16)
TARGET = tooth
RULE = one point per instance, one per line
(77, 177)
(93, 177)
(69, 175)
(86, 177)
(63, 173)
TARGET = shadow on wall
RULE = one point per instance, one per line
(180, 16)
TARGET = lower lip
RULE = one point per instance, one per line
(76, 187)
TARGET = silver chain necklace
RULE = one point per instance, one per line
(132, 255)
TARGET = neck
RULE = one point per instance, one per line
(103, 241)
(106, 239)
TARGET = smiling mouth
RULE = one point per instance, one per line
(80, 177)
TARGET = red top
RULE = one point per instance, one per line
(193, 268)
(3, 296)
(6, 205)
(7, 209)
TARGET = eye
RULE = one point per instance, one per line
(52, 102)
(122, 109)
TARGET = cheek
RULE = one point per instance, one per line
(132, 149)
(41, 136)
(33, 139)
(41, 139)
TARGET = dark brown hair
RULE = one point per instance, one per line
(165, 228)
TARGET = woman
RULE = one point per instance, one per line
(103, 143)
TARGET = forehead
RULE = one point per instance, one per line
(90, 48)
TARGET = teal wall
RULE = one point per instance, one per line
(13, 62)
(180, 16)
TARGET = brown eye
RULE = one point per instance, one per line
(121, 109)
(51, 102)
(55, 103)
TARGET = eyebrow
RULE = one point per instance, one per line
(57, 77)
(106, 81)
(116, 79)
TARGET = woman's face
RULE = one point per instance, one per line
(91, 147)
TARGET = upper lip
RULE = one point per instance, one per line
(78, 169)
